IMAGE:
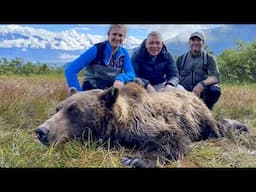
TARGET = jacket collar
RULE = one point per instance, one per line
(120, 52)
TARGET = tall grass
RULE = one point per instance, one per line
(25, 102)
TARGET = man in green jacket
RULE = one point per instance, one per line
(199, 71)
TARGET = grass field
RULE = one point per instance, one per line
(26, 102)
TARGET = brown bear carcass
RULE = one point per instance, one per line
(160, 125)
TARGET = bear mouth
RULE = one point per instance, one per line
(44, 140)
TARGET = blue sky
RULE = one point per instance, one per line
(82, 36)
(67, 41)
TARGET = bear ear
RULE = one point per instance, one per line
(72, 91)
(109, 97)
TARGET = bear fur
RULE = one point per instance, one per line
(160, 125)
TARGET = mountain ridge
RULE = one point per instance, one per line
(44, 46)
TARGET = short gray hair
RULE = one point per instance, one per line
(155, 33)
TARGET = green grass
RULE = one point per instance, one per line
(28, 101)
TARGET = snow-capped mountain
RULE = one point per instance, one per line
(217, 39)
(45, 46)
(60, 47)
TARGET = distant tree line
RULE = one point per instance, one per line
(20, 67)
(238, 65)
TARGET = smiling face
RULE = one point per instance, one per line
(154, 44)
(116, 36)
(196, 45)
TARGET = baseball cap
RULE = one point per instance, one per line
(198, 35)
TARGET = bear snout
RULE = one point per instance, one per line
(42, 133)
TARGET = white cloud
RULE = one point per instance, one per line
(132, 42)
(66, 56)
(179, 31)
(81, 28)
(68, 40)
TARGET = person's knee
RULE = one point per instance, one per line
(211, 95)
(138, 81)
(214, 91)
(179, 86)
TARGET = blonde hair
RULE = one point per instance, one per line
(123, 27)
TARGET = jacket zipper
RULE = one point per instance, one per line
(192, 79)
(116, 59)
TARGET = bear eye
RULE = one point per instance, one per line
(73, 110)
(57, 109)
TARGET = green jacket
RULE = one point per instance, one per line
(192, 69)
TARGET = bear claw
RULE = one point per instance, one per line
(129, 161)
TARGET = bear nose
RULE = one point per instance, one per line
(42, 134)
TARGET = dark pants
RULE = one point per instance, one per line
(86, 86)
(211, 95)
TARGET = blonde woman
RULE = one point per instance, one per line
(107, 63)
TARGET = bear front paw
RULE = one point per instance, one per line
(129, 161)
(135, 162)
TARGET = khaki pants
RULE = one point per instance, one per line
(162, 85)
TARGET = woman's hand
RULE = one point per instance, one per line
(118, 84)
(150, 88)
